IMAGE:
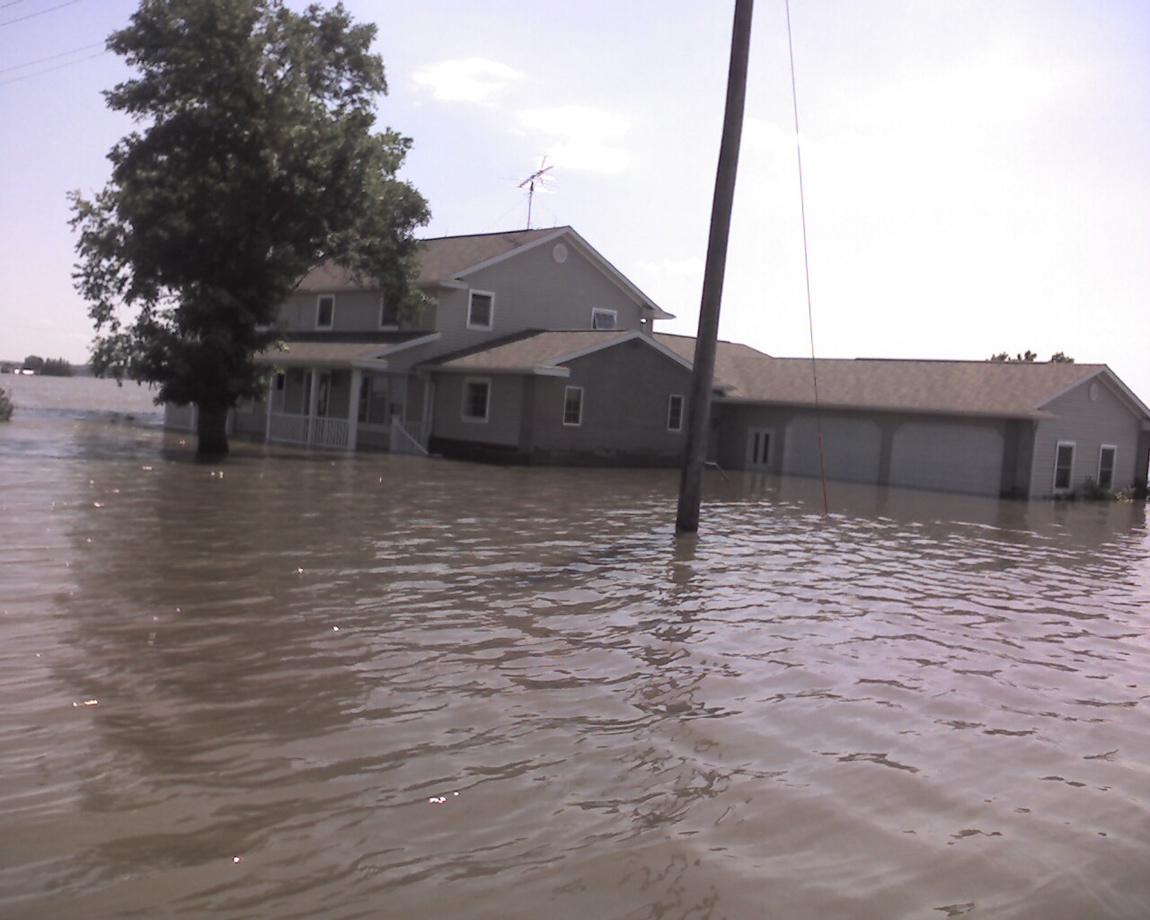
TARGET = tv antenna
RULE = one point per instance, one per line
(530, 181)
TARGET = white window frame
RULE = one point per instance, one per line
(1073, 445)
(1113, 448)
(568, 392)
(682, 403)
(596, 312)
(465, 401)
(319, 302)
(471, 324)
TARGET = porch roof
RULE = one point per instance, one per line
(326, 354)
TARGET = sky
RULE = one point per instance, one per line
(976, 173)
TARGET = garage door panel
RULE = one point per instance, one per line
(851, 448)
(952, 458)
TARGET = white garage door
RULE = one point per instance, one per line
(851, 448)
(952, 458)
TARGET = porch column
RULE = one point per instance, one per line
(428, 408)
(353, 407)
(271, 403)
(312, 403)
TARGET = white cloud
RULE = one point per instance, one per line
(580, 137)
(470, 80)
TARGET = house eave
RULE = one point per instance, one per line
(949, 412)
(495, 370)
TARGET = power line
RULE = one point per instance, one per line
(39, 73)
(51, 9)
(51, 57)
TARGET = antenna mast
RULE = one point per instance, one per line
(530, 181)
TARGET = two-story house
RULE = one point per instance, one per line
(533, 348)
(353, 373)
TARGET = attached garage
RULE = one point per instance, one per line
(952, 457)
(852, 448)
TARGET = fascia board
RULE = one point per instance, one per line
(620, 280)
(411, 343)
(610, 271)
(511, 253)
(620, 340)
(1103, 371)
(543, 371)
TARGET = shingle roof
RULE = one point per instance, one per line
(440, 259)
(531, 351)
(1009, 389)
(743, 374)
(321, 354)
(446, 257)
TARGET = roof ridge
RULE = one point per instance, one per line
(465, 236)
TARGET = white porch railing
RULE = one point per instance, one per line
(408, 437)
(309, 432)
(329, 432)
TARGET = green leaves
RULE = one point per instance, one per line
(253, 160)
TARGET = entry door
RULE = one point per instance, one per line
(759, 448)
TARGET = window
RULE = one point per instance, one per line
(1063, 465)
(325, 311)
(476, 399)
(480, 310)
(604, 319)
(573, 406)
(1106, 457)
(388, 314)
(675, 413)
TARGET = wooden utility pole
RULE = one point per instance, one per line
(691, 485)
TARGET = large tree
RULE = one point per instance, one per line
(254, 159)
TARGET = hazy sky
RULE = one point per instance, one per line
(977, 172)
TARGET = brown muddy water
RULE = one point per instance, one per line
(332, 687)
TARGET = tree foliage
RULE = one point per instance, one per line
(254, 159)
(1029, 357)
(55, 367)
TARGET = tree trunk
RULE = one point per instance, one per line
(212, 433)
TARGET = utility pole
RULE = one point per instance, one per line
(702, 379)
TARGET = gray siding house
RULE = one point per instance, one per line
(533, 348)
(351, 373)
(975, 427)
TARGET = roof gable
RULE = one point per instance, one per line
(446, 261)
(546, 352)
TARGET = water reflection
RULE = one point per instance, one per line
(370, 685)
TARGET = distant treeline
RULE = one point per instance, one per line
(50, 367)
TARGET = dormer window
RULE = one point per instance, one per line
(325, 311)
(604, 319)
(480, 310)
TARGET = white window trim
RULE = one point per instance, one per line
(319, 307)
(475, 419)
(603, 311)
(1113, 464)
(682, 411)
(490, 317)
(575, 424)
(1073, 445)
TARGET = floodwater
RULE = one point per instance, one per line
(337, 687)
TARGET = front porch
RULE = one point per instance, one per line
(333, 408)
